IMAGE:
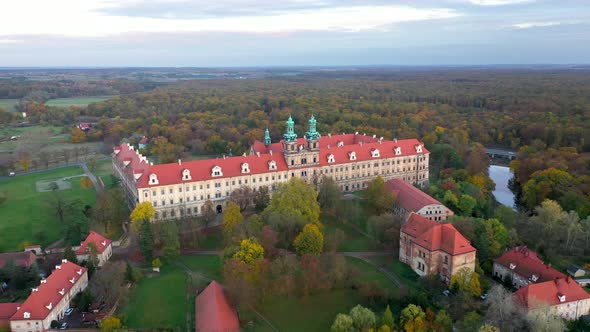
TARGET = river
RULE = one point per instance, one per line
(501, 175)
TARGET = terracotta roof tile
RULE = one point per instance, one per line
(526, 264)
(409, 197)
(25, 258)
(434, 236)
(8, 309)
(549, 292)
(101, 243)
(213, 312)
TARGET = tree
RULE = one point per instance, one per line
(544, 319)
(231, 219)
(269, 239)
(243, 197)
(471, 322)
(503, 311)
(466, 204)
(443, 321)
(363, 319)
(466, 281)
(342, 323)
(171, 246)
(309, 241)
(143, 212)
(379, 198)
(384, 328)
(328, 194)
(388, 318)
(412, 319)
(261, 199)
(146, 240)
(295, 199)
(156, 263)
(131, 276)
(489, 328)
(209, 213)
(70, 255)
(250, 251)
(110, 324)
(77, 135)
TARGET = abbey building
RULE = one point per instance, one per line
(352, 160)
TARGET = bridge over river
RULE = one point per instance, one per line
(495, 153)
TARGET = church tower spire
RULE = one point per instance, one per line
(267, 140)
(312, 133)
(290, 135)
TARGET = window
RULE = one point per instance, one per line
(272, 165)
(446, 259)
(245, 168)
(170, 190)
(216, 171)
(179, 189)
(154, 193)
(145, 194)
(162, 191)
(330, 158)
(352, 155)
(292, 162)
(207, 186)
(171, 201)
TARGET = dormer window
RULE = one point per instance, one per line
(340, 143)
(397, 150)
(272, 165)
(419, 148)
(352, 155)
(153, 179)
(186, 175)
(330, 158)
(216, 171)
(62, 291)
(245, 168)
(375, 153)
(49, 306)
(534, 278)
(561, 298)
(512, 266)
(27, 315)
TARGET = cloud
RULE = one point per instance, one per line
(76, 18)
(498, 2)
(528, 25)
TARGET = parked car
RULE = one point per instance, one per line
(11, 174)
(446, 292)
(63, 326)
(484, 296)
(69, 311)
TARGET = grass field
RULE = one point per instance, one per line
(75, 101)
(9, 104)
(166, 301)
(26, 215)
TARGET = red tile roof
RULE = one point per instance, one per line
(100, 241)
(549, 292)
(258, 161)
(25, 258)
(409, 197)
(48, 292)
(143, 140)
(8, 309)
(434, 236)
(213, 312)
(527, 263)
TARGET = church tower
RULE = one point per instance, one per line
(312, 136)
(290, 137)
(267, 137)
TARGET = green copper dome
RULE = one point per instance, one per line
(267, 140)
(290, 135)
(312, 133)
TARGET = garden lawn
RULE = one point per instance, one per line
(75, 101)
(312, 313)
(9, 104)
(353, 241)
(27, 215)
(207, 265)
(369, 273)
(159, 302)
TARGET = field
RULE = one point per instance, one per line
(27, 215)
(166, 301)
(75, 101)
(9, 104)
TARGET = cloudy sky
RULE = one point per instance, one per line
(292, 32)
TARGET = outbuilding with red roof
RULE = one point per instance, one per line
(411, 199)
(563, 295)
(213, 313)
(104, 248)
(522, 266)
(6, 311)
(432, 248)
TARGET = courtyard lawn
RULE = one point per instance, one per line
(75, 101)
(354, 241)
(27, 215)
(159, 302)
(369, 273)
(207, 265)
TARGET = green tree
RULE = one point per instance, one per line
(231, 220)
(250, 251)
(209, 213)
(143, 212)
(379, 198)
(466, 204)
(171, 243)
(412, 319)
(156, 263)
(443, 320)
(466, 281)
(261, 199)
(488, 328)
(146, 240)
(295, 199)
(110, 324)
(309, 241)
(384, 328)
(70, 255)
(342, 323)
(328, 194)
(388, 318)
(363, 319)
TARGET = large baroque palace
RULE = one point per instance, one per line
(352, 160)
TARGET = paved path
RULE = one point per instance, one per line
(92, 177)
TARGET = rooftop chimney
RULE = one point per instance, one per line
(179, 162)
(258, 154)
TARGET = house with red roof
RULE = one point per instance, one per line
(50, 300)
(213, 313)
(6, 311)
(84, 126)
(411, 199)
(104, 248)
(352, 160)
(143, 143)
(25, 259)
(522, 267)
(432, 248)
(564, 296)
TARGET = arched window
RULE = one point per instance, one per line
(352, 155)
(216, 171)
(153, 179)
(272, 165)
(186, 174)
(398, 151)
(245, 168)
(375, 153)
(419, 148)
(330, 158)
